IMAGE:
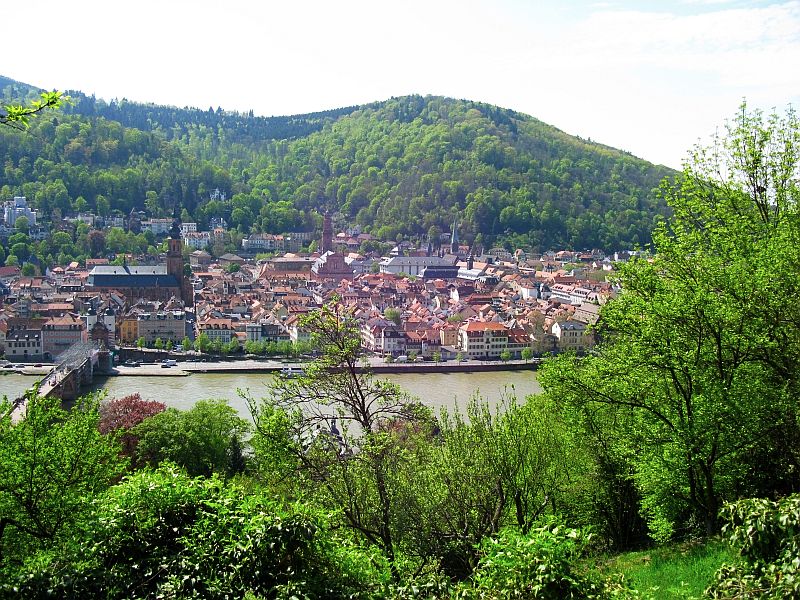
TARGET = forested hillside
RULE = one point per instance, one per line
(408, 166)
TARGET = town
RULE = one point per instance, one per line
(438, 302)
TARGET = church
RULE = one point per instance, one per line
(330, 264)
(151, 282)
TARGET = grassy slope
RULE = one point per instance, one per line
(675, 571)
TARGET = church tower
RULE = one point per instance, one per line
(454, 238)
(175, 263)
(327, 234)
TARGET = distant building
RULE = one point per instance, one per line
(157, 226)
(18, 207)
(263, 242)
(59, 333)
(483, 340)
(572, 335)
(159, 282)
(199, 240)
(24, 345)
(415, 265)
(163, 325)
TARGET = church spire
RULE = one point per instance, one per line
(327, 234)
(454, 237)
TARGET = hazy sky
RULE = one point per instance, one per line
(649, 77)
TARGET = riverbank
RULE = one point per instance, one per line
(376, 365)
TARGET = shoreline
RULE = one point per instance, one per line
(377, 366)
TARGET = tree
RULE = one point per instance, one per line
(22, 224)
(527, 354)
(120, 415)
(202, 439)
(393, 315)
(141, 342)
(505, 356)
(699, 370)
(354, 464)
(97, 242)
(158, 344)
(18, 115)
(484, 471)
(51, 462)
(202, 343)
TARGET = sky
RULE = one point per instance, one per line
(652, 78)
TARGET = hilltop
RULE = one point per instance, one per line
(407, 166)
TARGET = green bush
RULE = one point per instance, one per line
(768, 537)
(540, 564)
(162, 534)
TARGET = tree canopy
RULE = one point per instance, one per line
(698, 372)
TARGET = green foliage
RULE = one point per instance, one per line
(506, 176)
(18, 115)
(701, 360)
(485, 471)
(206, 439)
(392, 314)
(539, 564)
(163, 534)
(352, 468)
(52, 462)
(767, 535)
(202, 343)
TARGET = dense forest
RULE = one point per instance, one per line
(409, 167)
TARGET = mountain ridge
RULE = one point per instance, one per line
(408, 166)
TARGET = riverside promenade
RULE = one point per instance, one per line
(376, 365)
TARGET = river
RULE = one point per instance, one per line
(436, 390)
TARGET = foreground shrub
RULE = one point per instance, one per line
(768, 537)
(162, 534)
(541, 564)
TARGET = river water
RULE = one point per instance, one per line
(436, 390)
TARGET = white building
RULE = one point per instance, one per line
(572, 335)
(483, 340)
(157, 226)
(188, 228)
(199, 240)
(412, 265)
(18, 207)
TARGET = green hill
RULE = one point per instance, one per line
(408, 166)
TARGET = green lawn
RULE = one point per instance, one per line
(675, 571)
